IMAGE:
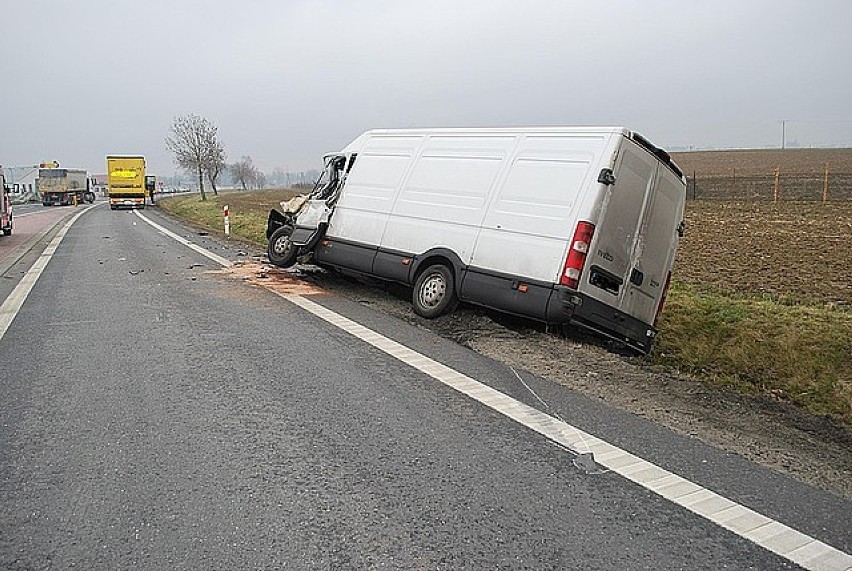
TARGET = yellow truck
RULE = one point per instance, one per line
(126, 181)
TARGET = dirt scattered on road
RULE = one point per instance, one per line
(283, 282)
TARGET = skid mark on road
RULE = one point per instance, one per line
(766, 532)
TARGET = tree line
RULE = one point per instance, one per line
(195, 143)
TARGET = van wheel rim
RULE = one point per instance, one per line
(282, 245)
(433, 290)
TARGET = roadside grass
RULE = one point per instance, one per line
(799, 351)
(248, 211)
(760, 346)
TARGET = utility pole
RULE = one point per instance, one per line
(784, 133)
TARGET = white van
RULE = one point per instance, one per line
(563, 225)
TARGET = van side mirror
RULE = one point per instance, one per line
(606, 177)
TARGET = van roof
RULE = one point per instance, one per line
(493, 130)
(355, 145)
(662, 156)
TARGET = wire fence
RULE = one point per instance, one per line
(779, 184)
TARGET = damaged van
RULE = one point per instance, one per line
(565, 225)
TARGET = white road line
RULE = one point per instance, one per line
(24, 215)
(207, 253)
(772, 535)
(10, 308)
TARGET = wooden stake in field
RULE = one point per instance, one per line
(694, 185)
(734, 184)
(777, 176)
(825, 186)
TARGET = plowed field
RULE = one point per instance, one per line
(796, 252)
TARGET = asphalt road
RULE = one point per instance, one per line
(156, 413)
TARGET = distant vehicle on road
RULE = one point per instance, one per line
(5, 207)
(62, 187)
(126, 181)
(572, 225)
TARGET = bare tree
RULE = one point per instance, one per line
(192, 140)
(244, 172)
(259, 179)
(215, 164)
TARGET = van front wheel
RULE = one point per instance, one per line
(434, 292)
(281, 251)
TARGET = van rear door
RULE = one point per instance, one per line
(636, 236)
(610, 262)
(655, 248)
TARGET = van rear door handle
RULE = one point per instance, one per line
(637, 277)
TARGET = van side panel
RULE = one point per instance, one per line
(443, 200)
(371, 187)
(507, 293)
(361, 213)
(531, 218)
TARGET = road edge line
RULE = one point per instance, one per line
(12, 304)
(191, 245)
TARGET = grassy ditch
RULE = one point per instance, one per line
(760, 346)
(758, 343)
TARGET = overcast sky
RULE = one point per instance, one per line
(288, 80)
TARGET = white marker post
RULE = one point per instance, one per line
(227, 220)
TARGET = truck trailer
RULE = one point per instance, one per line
(126, 181)
(565, 225)
(61, 187)
(5, 207)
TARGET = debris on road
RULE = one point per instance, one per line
(275, 279)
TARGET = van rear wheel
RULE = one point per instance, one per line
(434, 292)
(281, 250)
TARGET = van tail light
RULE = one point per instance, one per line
(577, 254)
(663, 298)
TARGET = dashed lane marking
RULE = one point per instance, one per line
(766, 532)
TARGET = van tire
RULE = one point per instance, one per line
(281, 250)
(434, 292)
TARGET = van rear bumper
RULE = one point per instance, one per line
(570, 306)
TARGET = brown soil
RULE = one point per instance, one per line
(814, 450)
(793, 250)
(764, 161)
(802, 174)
